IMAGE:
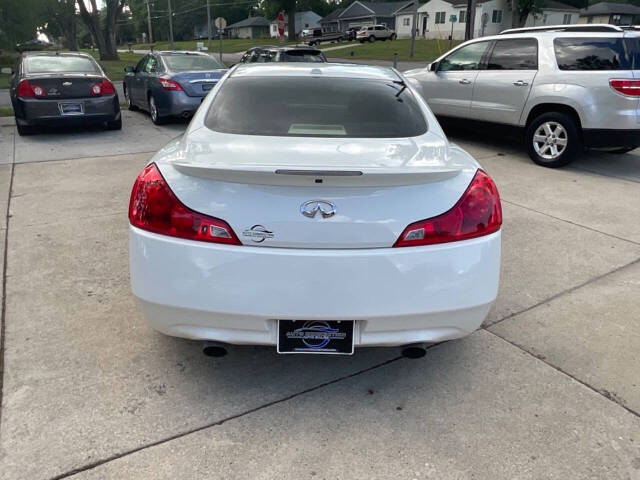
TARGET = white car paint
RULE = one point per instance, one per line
(338, 268)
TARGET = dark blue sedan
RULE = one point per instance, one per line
(171, 84)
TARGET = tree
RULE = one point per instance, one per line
(19, 20)
(520, 10)
(103, 31)
(62, 22)
(272, 7)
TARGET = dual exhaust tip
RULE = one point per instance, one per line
(217, 349)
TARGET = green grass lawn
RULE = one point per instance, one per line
(424, 50)
(115, 68)
(6, 112)
(4, 80)
(228, 45)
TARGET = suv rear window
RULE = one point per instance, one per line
(315, 107)
(592, 54)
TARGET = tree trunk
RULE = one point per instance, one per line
(515, 15)
(522, 19)
(291, 12)
(105, 38)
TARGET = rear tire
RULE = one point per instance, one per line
(115, 124)
(153, 112)
(372, 39)
(24, 130)
(552, 140)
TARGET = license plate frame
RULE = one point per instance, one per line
(316, 337)
(71, 108)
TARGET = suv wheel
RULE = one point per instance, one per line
(372, 38)
(552, 140)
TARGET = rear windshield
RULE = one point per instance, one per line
(315, 107)
(185, 63)
(592, 54)
(60, 64)
(302, 56)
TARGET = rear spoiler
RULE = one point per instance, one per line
(285, 175)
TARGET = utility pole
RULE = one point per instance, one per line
(170, 25)
(149, 23)
(471, 18)
(209, 26)
(414, 27)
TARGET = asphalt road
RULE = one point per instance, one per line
(548, 388)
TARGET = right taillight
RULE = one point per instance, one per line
(630, 88)
(29, 90)
(154, 207)
(477, 213)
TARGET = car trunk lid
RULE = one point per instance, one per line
(316, 192)
(65, 86)
(198, 83)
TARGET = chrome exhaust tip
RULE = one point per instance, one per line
(414, 350)
(214, 349)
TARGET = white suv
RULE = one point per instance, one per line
(563, 88)
(375, 32)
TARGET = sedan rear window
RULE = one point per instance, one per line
(185, 63)
(302, 56)
(316, 107)
(60, 64)
(592, 54)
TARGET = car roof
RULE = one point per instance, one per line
(302, 69)
(284, 48)
(56, 54)
(180, 52)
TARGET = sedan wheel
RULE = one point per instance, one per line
(130, 104)
(153, 111)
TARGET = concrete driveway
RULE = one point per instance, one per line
(548, 388)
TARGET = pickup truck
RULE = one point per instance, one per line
(316, 37)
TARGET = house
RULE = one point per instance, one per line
(609, 12)
(252, 27)
(361, 13)
(491, 17)
(304, 20)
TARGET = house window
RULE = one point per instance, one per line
(440, 17)
(462, 16)
(406, 22)
(567, 19)
(497, 16)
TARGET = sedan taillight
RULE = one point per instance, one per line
(630, 88)
(29, 90)
(168, 84)
(154, 207)
(477, 213)
(105, 87)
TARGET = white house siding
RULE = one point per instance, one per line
(427, 28)
(402, 30)
(552, 17)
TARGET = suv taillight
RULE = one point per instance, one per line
(29, 90)
(477, 213)
(630, 88)
(154, 207)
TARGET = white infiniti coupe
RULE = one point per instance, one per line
(315, 208)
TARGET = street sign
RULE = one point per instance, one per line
(220, 23)
(453, 18)
(281, 24)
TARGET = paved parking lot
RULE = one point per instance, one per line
(549, 388)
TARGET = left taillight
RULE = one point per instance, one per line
(104, 87)
(30, 90)
(168, 84)
(477, 213)
(155, 208)
(630, 88)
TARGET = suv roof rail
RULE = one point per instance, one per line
(583, 27)
(631, 27)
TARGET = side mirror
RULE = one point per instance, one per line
(6, 71)
(433, 67)
(129, 69)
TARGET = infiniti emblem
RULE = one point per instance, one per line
(310, 208)
(66, 84)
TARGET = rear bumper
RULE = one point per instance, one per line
(179, 103)
(603, 138)
(35, 112)
(235, 294)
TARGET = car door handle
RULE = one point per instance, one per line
(464, 81)
(520, 83)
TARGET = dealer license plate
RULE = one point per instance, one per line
(71, 108)
(327, 337)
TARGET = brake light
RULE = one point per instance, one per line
(630, 88)
(154, 207)
(29, 90)
(477, 213)
(105, 87)
(168, 84)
